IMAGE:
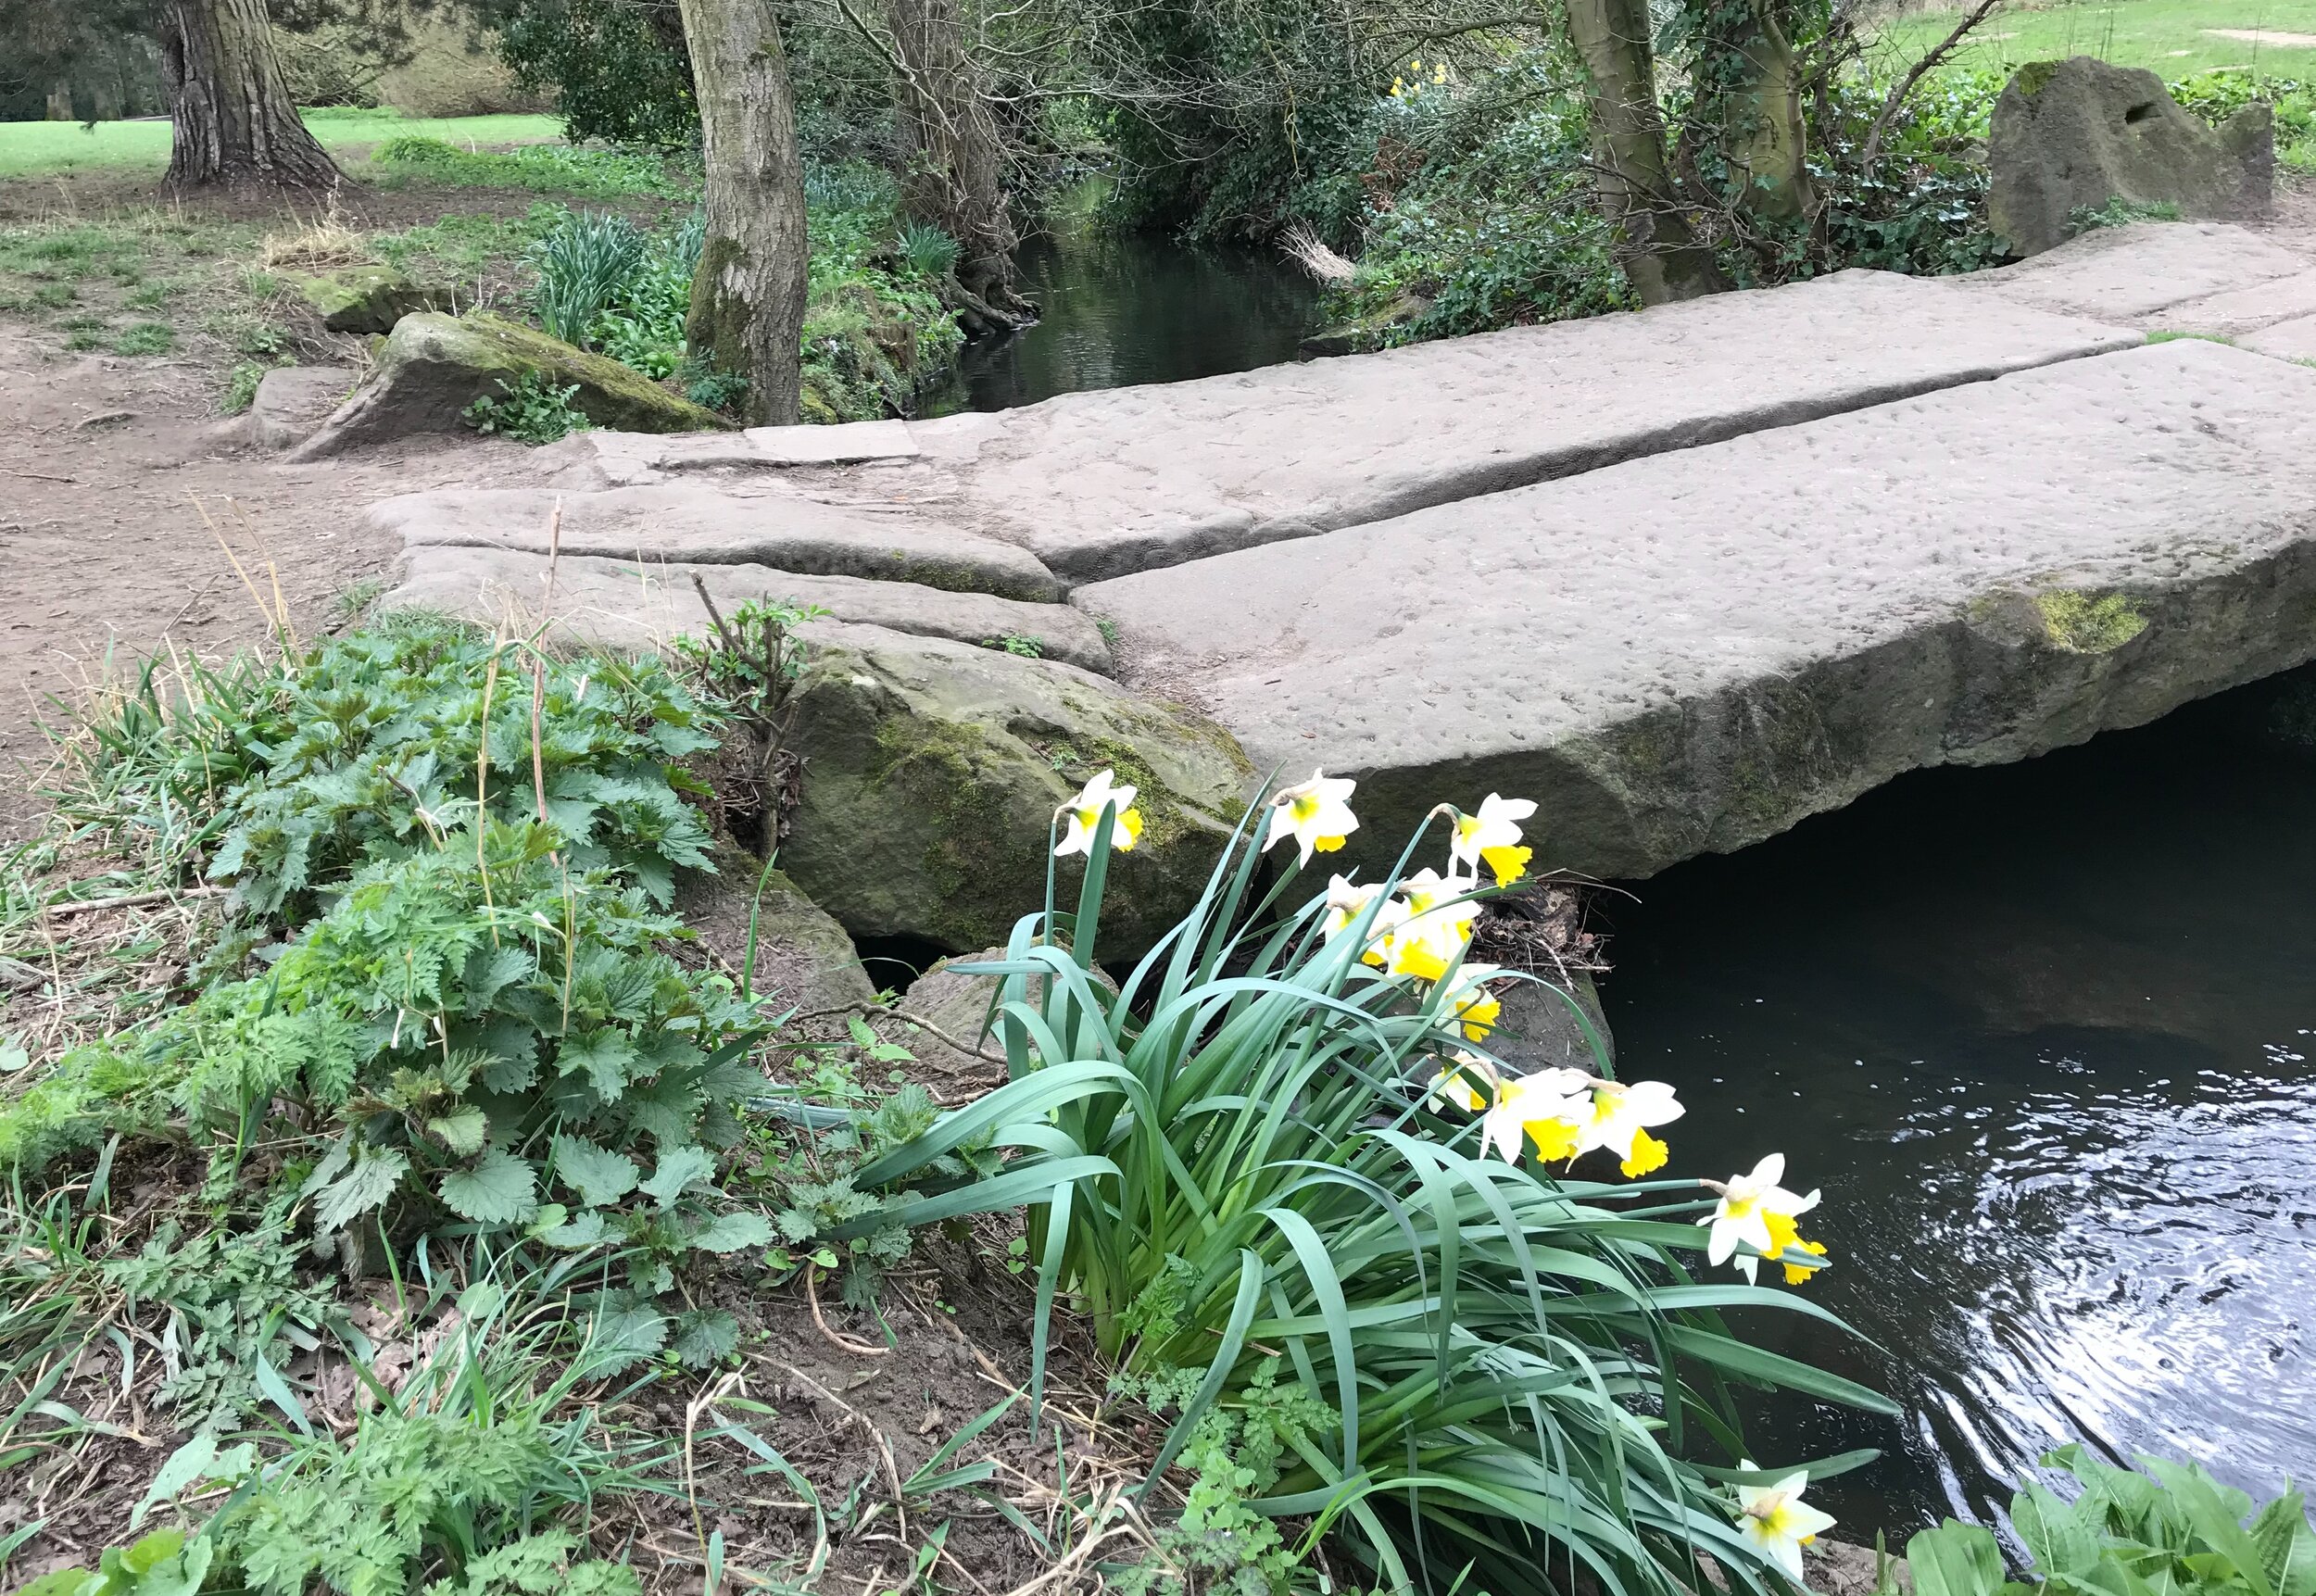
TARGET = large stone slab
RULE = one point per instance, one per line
(1689, 653)
(699, 523)
(1100, 484)
(2125, 276)
(932, 772)
(2236, 312)
(643, 604)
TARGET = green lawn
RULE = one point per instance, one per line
(37, 149)
(2170, 37)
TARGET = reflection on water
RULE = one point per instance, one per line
(2042, 1034)
(1131, 307)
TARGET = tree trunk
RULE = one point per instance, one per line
(748, 296)
(1761, 138)
(1660, 256)
(234, 119)
(60, 103)
(956, 172)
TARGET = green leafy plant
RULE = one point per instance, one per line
(532, 412)
(1256, 1148)
(928, 251)
(2167, 1528)
(2120, 212)
(582, 264)
(1016, 643)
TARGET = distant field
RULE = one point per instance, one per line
(38, 149)
(2171, 38)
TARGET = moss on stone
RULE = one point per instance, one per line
(2035, 76)
(2082, 622)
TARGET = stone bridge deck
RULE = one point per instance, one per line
(1685, 576)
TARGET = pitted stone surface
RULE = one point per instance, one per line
(633, 604)
(698, 523)
(2293, 340)
(2126, 275)
(1105, 483)
(1099, 484)
(1689, 653)
(2239, 311)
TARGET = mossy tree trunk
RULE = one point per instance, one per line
(748, 296)
(1660, 256)
(1748, 92)
(956, 173)
(232, 118)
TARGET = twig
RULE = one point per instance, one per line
(836, 1338)
(972, 1050)
(1904, 86)
(892, 1469)
(731, 643)
(36, 476)
(132, 899)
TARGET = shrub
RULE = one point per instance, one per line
(1257, 1169)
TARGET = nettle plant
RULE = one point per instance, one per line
(1378, 1278)
(449, 859)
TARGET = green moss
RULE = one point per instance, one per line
(2035, 76)
(943, 775)
(2087, 623)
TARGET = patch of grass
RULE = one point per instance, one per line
(2170, 335)
(240, 386)
(2170, 37)
(151, 295)
(546, 169)
(42, 149)
(145, 338)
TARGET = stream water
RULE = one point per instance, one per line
(1130, 307)
(2042, 1034)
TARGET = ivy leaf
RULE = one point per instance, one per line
(731, 1232)
(368, 1184)
(706, 1336)
(498, 1189)
(679, 1167)
(604, 1056)
(600, 1177)
(461, 1132)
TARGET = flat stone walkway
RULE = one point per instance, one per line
(1684, 575)
(1689, 653)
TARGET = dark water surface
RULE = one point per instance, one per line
(1131, 307)
(2042, 1032)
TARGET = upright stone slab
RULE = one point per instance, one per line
(1690, 653)
(2072, 135)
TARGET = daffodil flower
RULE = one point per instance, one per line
(1084, 816)
(1467, 1082)
(1436, 928)
(1754, 1209)
(1317, 814)
(1345, 903)
(1469, 1002)
(1620, 1117)
(1784, 1234)
(1778, 1523)
(1493, 834)
(1541, 1108)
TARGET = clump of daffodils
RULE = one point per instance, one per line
(1410, 84)
(1419, 931)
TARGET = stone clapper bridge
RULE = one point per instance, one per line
(1683, 576)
